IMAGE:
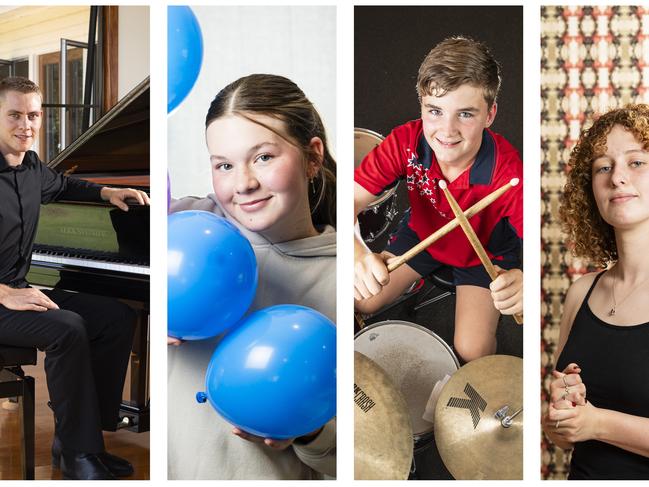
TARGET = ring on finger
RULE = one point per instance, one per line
(556, 426)
(565, 384)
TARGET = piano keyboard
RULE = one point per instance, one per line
(88, 259)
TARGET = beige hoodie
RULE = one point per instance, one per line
(200, 442)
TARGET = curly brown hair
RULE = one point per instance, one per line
(593, 238)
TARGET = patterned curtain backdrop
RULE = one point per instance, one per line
(593, 59)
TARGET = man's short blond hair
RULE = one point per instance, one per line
(19, 84)
(458, 61)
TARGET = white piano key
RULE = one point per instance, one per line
(90, 263)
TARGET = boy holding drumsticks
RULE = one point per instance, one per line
(457, 86)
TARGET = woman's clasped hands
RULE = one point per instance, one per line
(570, 417)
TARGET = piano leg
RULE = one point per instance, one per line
(134, 411)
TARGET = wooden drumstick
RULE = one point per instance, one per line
(473, 239)
(433, 237)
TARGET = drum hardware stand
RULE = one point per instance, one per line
(505, 420)
(414, 290)
(437, 281)
(418, 450)
(439, 297)
(390, 213)
(391, 305)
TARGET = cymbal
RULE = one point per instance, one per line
(471, 440)
(382, 431)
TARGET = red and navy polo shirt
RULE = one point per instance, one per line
(406, 155)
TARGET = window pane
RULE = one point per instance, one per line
(74, 87)
(21, 68)
(51, 94)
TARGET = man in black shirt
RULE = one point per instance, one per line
(87, 339)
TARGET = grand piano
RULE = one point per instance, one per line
(97, 248)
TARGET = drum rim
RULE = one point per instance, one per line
(369, 132)
(414, 325)
(383, 197)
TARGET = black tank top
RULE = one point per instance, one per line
(615, 368)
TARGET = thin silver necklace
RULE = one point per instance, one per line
(616, 304)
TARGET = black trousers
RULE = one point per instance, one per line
(87, 344)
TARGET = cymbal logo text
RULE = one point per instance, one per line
(474, 404)
(362, 400)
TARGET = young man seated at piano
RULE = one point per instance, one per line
(87, 339)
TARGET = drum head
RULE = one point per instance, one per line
(414, 358)
(364, 142)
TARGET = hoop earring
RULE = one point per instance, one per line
(322, 192)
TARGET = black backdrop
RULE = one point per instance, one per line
(391, 42)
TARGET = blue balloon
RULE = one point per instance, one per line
(211, 273)
(275, 374)
(184, 53)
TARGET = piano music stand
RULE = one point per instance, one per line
(14, 383)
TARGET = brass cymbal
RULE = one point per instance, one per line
(382, 432)
(471, 440)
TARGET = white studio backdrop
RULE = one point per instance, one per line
(298, 42)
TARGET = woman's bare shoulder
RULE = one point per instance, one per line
(574, 297)
(577, 292)
(580, 287)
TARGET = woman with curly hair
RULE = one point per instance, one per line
(599, 402)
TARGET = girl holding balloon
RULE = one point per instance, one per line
(274, 179)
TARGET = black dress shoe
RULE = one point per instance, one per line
(115, 465)
(84, 466)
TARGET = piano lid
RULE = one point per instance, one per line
(116, 143)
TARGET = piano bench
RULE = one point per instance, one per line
(14, 383)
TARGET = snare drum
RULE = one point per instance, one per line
(378, 215)
(415, 359)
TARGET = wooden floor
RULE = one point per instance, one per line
(126, 444)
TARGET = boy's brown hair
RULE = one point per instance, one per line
(457, 61)
(19, 84)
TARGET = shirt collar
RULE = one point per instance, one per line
(29, 160)
(482, 169)
(4, 165)
(426, 157)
